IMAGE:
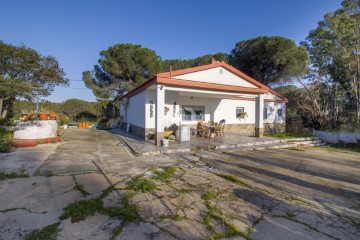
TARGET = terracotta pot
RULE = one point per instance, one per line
(53, 117)
(43, 116)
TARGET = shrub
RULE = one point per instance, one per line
(6, 140)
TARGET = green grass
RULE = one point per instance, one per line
(6, 140)
(210, 195)
(234, 179)
(183, 190)
(12, 175)
(80, 187)
(340, 147)
(295, 149)
(49, 233)
(285, 135)
(231, 230)
(164, 175)
(141, 184)
(82, 209)
(127, 214)
(290, 214)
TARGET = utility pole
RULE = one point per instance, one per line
(37, 106)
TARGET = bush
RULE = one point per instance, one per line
(6, 140)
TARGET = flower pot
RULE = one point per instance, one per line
(43, 116)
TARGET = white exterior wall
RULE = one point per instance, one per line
(272, 112)
(215, 109)
(217, 75)
(210, 104)
(227, 111)
(136, 110)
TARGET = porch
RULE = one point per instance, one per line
(139, 146)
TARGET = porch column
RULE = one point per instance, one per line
(259, 116)
(159, 113)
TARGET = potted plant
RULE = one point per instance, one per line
(243, 114)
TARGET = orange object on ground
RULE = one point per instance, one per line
(43, 116)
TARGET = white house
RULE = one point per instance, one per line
(206, 93)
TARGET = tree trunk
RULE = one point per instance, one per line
(3, 111)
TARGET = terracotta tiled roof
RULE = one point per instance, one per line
(173, 78)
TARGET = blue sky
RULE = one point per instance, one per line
(75, 31)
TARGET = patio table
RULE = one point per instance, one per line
(209, 129)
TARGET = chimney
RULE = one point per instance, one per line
(213, 61)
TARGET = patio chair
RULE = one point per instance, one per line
(222, 123)
(218, 130)
(200, 131)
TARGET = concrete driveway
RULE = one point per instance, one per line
(329, 181)
(278, 194)
(89, 150)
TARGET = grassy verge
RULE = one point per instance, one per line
(341, 147)
(285, 135)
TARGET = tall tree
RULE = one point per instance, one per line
(177, 64)
(121, 68)
(334, 48)
(270, 60)
(25, 73)
(74, 107)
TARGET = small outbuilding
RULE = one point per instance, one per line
(206, 93)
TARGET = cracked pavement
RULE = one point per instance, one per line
(281, 194)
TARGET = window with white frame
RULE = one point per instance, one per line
(279, 112)
(240, 112)
(193, 113)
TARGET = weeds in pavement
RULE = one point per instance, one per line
(164, 175)
(234, 179)
(210, 195)
(127, 214)
(49, 233)
(298, 200)
(290, 214)
(20, 173)
(141, 184)
(213, 213)
(81, 209)
(185, 190)
(80, 187)
(295, 149)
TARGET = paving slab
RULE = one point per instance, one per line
(284, 229)
(97, 227)
(138, 231)
(29, 159)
